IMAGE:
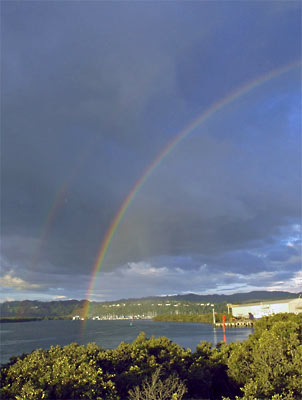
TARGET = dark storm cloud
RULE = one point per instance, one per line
(92, 92)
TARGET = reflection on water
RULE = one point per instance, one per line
(21, 341)
(18, 338)
(215, 336)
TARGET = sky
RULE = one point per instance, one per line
(93, 92)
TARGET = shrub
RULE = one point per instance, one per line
(269, 363)
(171, 388)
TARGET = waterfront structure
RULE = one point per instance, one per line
(265, 308)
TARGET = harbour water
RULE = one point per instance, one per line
(24, 337)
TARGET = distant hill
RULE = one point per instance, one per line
(148, 306)
(236, 297)
(35, 308)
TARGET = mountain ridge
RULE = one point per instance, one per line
(192, 297)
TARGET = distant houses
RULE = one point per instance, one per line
(110, 317)
(77, 318)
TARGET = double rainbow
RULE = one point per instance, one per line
(209, 112)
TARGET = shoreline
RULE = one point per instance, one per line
(7, 320)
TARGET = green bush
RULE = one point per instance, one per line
(269, 363)
(132, 363)
(58, 373)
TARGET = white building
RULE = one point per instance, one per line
(263, 308)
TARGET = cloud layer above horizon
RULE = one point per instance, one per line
(93, 92)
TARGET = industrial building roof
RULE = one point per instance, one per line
(265, 302)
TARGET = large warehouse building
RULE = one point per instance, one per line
(258, 310)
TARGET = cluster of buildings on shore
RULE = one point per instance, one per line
(114, 317)
(250, 311)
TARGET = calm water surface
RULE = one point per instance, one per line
(24, 337)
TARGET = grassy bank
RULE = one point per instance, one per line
(202, 318)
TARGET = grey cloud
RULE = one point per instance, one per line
(92, 93)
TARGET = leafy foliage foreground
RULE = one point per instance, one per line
(266, 366)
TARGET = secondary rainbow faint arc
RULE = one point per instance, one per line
(163, 154)
(56, 206)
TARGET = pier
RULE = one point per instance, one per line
(235, 324)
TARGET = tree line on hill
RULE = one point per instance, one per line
(69, 308)
(266, 366)
(148, 307)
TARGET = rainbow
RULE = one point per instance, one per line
(51, 215)
(209, 112)
(57, 204)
